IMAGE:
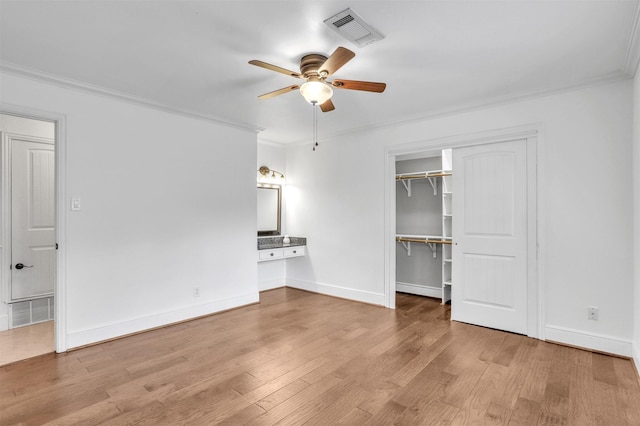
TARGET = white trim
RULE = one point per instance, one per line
(632, 56)
(467, 139)
(535, 301)
(6, 222)
(338, 291)
(104, 332)
(533, 291)
(541, 217)
(389, 230)
(636, 355)
(61, 213)
(419, 289)
(475, 106)
(270, 143)
(592, 341)
(68, 83)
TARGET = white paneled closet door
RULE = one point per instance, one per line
(489, 272)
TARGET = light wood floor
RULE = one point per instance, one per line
(300, 358)
(26, 342)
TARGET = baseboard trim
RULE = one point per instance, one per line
(79, 338)
(636, 359)
(4, 322)
(421, 290)
(337, 291)
(590, 341)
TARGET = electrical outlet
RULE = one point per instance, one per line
(592, 313)
(196, 292)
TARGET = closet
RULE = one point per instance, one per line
(423, 224)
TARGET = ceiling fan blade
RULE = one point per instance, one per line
(275, 68)
(327, 106)
(367, 86)
(337, 59)
(279, 92)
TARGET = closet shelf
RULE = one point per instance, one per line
(430, 175)
(430, 240)
(423, 175)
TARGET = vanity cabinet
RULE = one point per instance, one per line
(280, 253)
(271, 254)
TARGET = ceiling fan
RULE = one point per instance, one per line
(315, 69)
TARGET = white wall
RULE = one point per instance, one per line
(168, 204)
(636, 217)
(586, 202)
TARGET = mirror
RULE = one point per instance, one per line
(269, 199)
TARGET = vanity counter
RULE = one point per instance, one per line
(266, 243)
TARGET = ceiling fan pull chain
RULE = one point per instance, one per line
(315, 125)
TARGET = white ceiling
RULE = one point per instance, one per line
(436, 56)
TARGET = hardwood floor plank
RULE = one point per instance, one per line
(507, 350)
(354, 417)
(299, 404)
(387, 414)
(627, 386)
(603, 370)
(428, 411)
(282, 394)
(555, 404)
(525, 413)
(488, 388)
(581, 388)
(348, 400)
(299, 358)
(535, 382)
(606, 406)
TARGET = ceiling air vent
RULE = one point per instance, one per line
(352, 27)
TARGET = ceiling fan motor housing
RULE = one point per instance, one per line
(310, 64)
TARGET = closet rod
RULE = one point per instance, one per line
(422, 240)
(405, 177)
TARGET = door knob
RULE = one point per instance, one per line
(21, 265)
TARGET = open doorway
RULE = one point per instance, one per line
(28, 237)
(423, 224)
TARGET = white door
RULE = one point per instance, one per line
(490, 236)
(32, 217)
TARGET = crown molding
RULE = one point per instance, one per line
(80, 86)
(475, 106)
(269, 142)
(632, 57)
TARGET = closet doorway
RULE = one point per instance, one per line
(423, 224)
(29, 235)
(481, 255)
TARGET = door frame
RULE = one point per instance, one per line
(60, 283)
(535, 205)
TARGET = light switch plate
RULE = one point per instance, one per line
(75, 204)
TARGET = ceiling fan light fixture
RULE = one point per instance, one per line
(316, 92)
